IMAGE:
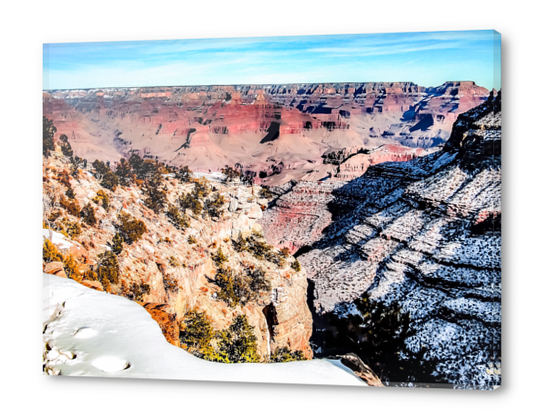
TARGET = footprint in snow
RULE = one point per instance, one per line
(110, 364)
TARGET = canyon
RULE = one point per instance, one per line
(424, 234)
(170, 270)
(273, 132)
(359, 202)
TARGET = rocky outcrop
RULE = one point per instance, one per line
(170, 270)
(275, 132)
(424, 234)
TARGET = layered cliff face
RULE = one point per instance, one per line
(171, 269)
(420, 239)
(275, 132)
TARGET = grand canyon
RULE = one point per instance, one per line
(349, 229)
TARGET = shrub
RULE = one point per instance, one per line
(64, 178)
(87, 214)
(231, 173)
(296, 266)
(170, 284)
(219, 258)
(137, 291)
(197, 334)
(190, 202)
(108, 269)
(284, 354)
(100, 167)
(156, 198)
(265, 192)
(174, 262)
(191, 240)
(71, 268)
(102, 199)
(213, 206)
(176, 218)
(71, 206)
(51, 252)
(240, 288)
(110, 181)
(202, 188)
(117, 244)
(90, 275)
(241, 244)
(130, 228)
(69, 193)
(184, 174)
(237, 344)
(382, 329)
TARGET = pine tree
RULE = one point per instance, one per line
(124, 172)
(65, 146)
(49, 131)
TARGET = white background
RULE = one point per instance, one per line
(26, 25)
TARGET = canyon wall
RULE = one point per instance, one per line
(424, 234)
(274, 132)
(170, 270)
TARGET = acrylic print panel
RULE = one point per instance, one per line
(310, 210)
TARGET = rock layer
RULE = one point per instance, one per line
(275, 132)
(425, 234)
(169, 271)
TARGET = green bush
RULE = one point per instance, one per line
(102, 199)
(156, 198)
(240, 288)
(219, 258)
(51, 252)
(110, 181)
(87, 214)
(190, 202)
(213, 206)
(117, 244)
(65, 146)
(237, 344)
(202, 188)
(71, 268)
(176, 218)
(124, 172)
(71, 206)
(265, 192)
(49, 131)
(184, 174)
(108, 270)
(296, 266)
(284, 354)
(130, 228)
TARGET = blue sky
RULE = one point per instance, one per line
(426, 58)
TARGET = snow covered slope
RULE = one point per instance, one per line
(92, 333)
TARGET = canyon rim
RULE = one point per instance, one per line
(315, 232)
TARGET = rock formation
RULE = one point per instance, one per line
(169, 270)
(275, 132)
(424, 235)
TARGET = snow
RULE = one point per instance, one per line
(111, 336)
(57, 238)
